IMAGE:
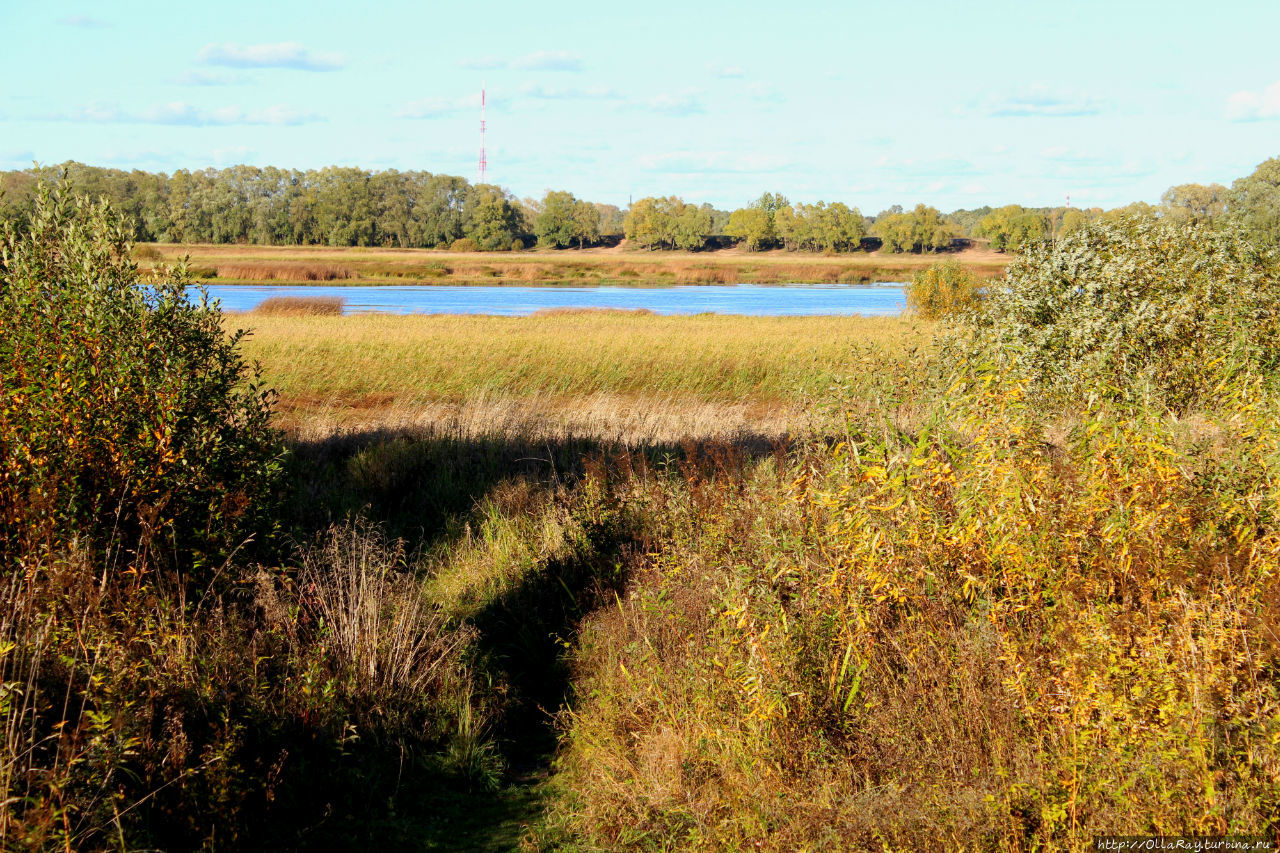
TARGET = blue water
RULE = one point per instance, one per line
(754, 299)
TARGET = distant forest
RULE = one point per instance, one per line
(339, 206)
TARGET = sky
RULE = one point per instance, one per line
(869, 103)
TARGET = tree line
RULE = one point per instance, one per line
(335, 206)
(340, 206)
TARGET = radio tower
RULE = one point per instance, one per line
(483, 161)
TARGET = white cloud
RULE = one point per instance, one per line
(727, 72)
(232, 154)
(1098, 170)
(281, 55)
(185, 114)
(1254, 106)
(484, 63)
(548, 60)
(276, 114)
(1042, 102)
(556, 93)
(1064, 155)
(98, 111)
(134, 158)
(437, 107)
(685, 103)
(200, 77)
(704, 162)
(540, 60)
(926, 167)
(87, 22)
(764, 93)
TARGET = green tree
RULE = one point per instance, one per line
(586, 223)
(554, 223)
(966, 221)
(1012, 227)
(1134, 210)
(756, 224)
(1072, 221)
(646, 223)
(1195, 202)
(921, 230)
(495, 219)
(1253, 203)
(610, 218)
(693, 225)
(667, 222)
(821, 227)
(752, 225)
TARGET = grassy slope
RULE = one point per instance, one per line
(315, 264)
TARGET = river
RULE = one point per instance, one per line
(752, 299)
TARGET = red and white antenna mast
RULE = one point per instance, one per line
(484, 163)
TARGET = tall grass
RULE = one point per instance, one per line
(379, 627)
(283, 272)
(321, 306)
(951, 634)
(577, 355)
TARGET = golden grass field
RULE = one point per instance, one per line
(319, 264)
(604, 373)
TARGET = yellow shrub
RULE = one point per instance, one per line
(944, 289)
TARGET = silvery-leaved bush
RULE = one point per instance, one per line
(1141, 306)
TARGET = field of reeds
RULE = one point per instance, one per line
(603, 581)
(574, 364)
(321, 264)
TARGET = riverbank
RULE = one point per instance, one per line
(252, 264)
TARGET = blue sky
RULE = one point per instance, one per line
(873, 104)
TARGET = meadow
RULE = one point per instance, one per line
(593, 581)
(620, 371)
(613, 266)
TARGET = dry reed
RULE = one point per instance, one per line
(283, 272)
(381, 629)
(316, 306)
(279, 263)
(577, 312)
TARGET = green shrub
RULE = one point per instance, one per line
(1135, 306)
(944, 289)
(131, 425)
(464, 244)
(517, 245)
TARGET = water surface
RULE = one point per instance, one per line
(753, 299)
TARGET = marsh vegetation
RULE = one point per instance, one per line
(603, 581)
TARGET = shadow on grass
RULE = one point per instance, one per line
(422, 487)
(419, 484)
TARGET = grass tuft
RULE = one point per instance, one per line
(311, 306)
